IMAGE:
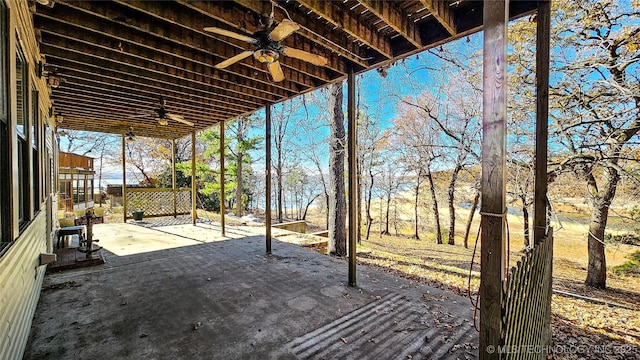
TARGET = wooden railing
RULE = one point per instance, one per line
(526, 302)
(158, 201)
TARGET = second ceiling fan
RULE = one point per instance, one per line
(162, 115)
(268, 48)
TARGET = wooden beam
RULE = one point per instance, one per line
(194, 190)
(75, 21)
(351, 23)
(91, 76)
(173, 178)
(393, 15)
(353, 174)
(213, 10)
(99, 124)
(194, 24)
(267, 216)
(178, 34)
(142, 62)
(124, 179)
(222, 195)
(441, 11)
(493, 208)
(542, 119)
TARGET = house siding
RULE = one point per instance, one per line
(21, 275)
(20, 281)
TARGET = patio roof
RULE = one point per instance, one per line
(118, 58)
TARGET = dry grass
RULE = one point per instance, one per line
(574, 321)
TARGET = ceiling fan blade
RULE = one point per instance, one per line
(276, 71)
(179, 118)
(284, 29)
(234, 59)
(230, 34)
(305, 56)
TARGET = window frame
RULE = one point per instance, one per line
(6, 238)
(23, 139)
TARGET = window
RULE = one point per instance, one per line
(35, 149)
(89, 187)
(24, 204)
(5, 159)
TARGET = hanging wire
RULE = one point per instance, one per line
(474, 303)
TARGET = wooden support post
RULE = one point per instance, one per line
(493, 249)
(353, 174)
(173, 177)
(540, 230)
(267, 141)
(124, 179)
(194, 190)
(542, 117)
(222, 200)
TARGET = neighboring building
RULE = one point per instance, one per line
(75, 181)
(28, 164)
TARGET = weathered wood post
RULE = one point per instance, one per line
(124, 179)
(542, 118)
(173, 177)
(493, 208)
(222, 210)
(353, 174)
(267, 142)
(194, 190)
(540, 231)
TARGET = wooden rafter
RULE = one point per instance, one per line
(441, 11)
(117, 58)
(396, 18)
(351, 23)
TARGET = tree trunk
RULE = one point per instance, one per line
(434, 207)
(597, 270)
(239, 209)
(279, 180)
(368, 204)
(474, 206)
(452, 209)
(415, 210)
(337, 244)
(525, 218)
(386, 223)
(600, 203)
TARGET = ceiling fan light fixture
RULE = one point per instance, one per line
(266, 56)
(163, 121)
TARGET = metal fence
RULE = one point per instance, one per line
(158, 202)
(526, 312)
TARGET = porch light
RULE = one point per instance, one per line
(54, 81)
(59, 118)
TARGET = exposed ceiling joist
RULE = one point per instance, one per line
(351, 23)
(390, 13)
(441, 11)
(118, 58)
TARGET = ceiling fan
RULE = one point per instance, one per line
(162, 115)
(267, 46)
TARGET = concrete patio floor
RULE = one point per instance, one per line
(184, 292)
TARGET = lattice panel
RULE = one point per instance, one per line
(526, 302)
(158, 202)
